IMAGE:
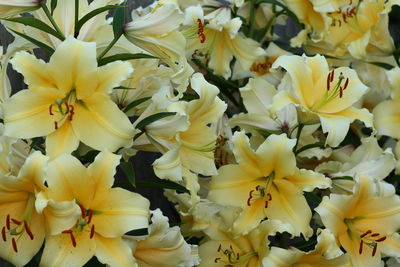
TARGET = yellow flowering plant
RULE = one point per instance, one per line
(205, 133)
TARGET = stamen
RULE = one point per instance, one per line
(219, 248)
(92, 232)
(216, 260)
(8, 222)
(16, 221)
(366, 233)
(340, 92)
(381, 239)
(67, 232)
(71, 112)
(201, 31)
(344, 17)
(28, 230)
(55, 125)
(90, 216)
(3, 234)
(333, 75)
(83, 211)
(328, 82)
(374, 250)
(51, 110)
(376, 234)
(346, 84)
(73, 239)
(361, 247)
(250, 197)
(14, 245)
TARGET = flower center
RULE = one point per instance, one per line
(84, 223)
(262, 192)
(15, 228)
(263, 67)
(65, 107)
(334, 91)
(230, 257)
(342, 15)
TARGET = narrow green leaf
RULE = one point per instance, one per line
(306, 147)
(152, 118)
(124, 56)
(382, 65)
(118, 22)
(160, 183)
(135, 103)
(129, 171)
(288, 11)
(349, 178)
(124, 88)
(37, 24)
(35, 42)
(53, 6)
(93, 13)
(137, 135)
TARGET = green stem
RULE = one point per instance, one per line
(104, 52)
(52, 21)
(300, 128)
(76, 17)
(304, 148)
(252, 17)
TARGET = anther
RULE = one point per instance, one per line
(344, 17)
(201, 31)
(28, 230)
(71, 112)
(55, 125)
(216, 260)
(332, 75)
(90, 216)
(373, 235)
(361, 247)
(381, 239)
(3, 234)
(8, 222)
(73, 239)
(366, 233)
(67, 232)
(219, 248)
(83, 211)
(346, 84)
(16, 221)
(328, 82)
(14, 244)
(250, 197)
(374, 250)
(340, 92)
(92, 232)
(51, 110)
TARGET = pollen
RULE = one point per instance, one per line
(200, 32)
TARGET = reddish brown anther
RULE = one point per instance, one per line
(90, 216)
(250, 197)
(346, 84)
(72, 113)
(55, 125)
(3, 234)
(374, 250)
(361, 247)
(67, 232)
(219, 248)
(376, 234)
(366, 233)
(83, 211)
(16, 221)
(381, 239)
(340, 92)
(51, 110)
(28, 230)
(332, 75)
(14, 245)
(216, 260)
(92, 232)
(201, 31)
(328, 82)
(8, 222)
(73, 239)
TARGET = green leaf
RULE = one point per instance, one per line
(349, 178)
(152, 118)
(135, 103)
(118, 22)
(129, 172)
(306, 147)
(124, 56)
(53, 6)
(382, 65)
(124, 88)
(161, 183)
(37, 24)
(93, 13)
(312, 198)
(288, 11)
(89, 156)
(35, 42)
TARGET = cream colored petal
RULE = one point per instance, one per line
(393, 77)
(74, 66)
(276, 155)
(31, 176)
(281, 99)
(102, 171)
(26, 115)
(289, 205)
(111, 75)
(358, 47)
(279, 257)
(249, 218)
(301, 77)
(101, 125)
(59, 251)
(387, 118)
(168, 166)
(34, 70)
(114, 252)
(245, 155)
(250, 122)
(308, 180)
(63, 140)
(122, 209)
(198, 161)
(68, 179)
(391, 245)
(220, 55)
(257, 96)
(336, 127)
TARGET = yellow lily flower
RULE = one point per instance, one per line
(386, 113)
(325, 254)
(68, 100)
(106, 213)
(22, 227)
(266, 184)
(221, 249)
(364, 224)
(10, 8)
(163, 247)
(327, 95)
